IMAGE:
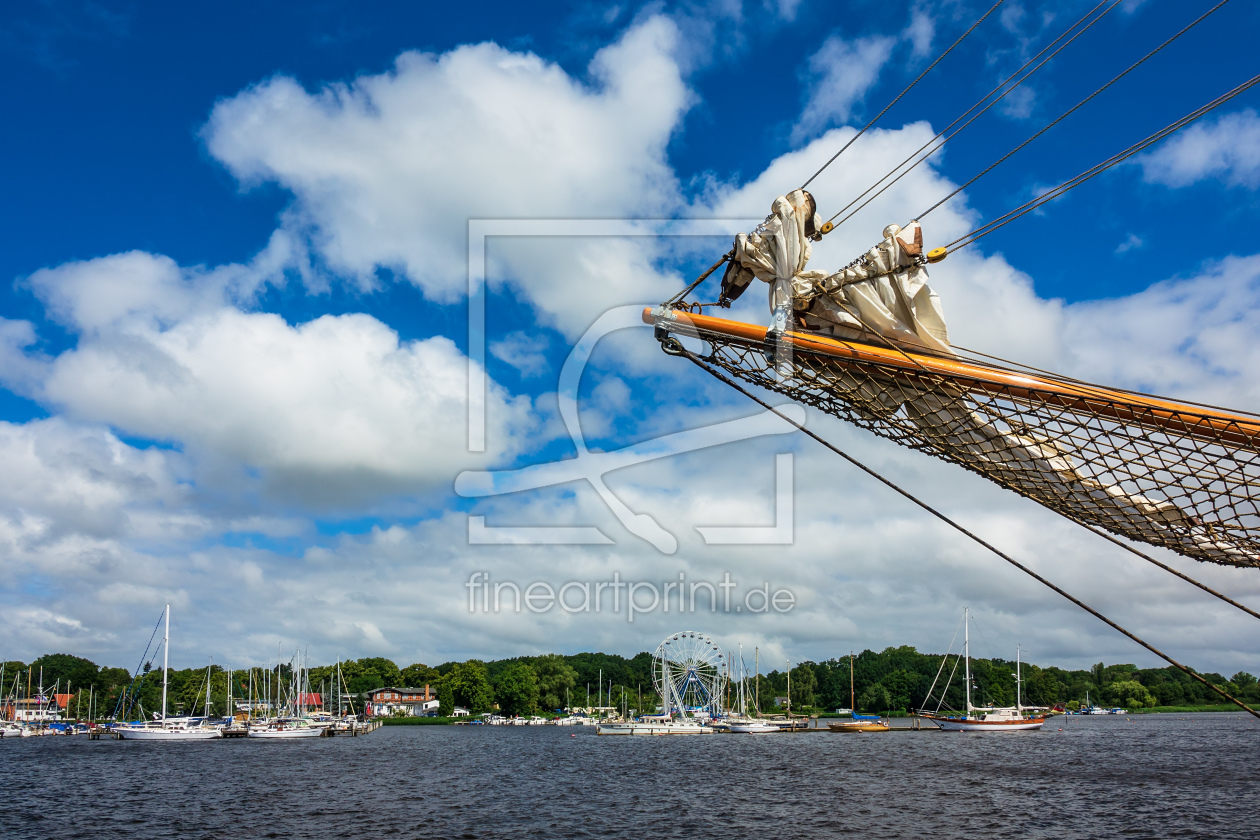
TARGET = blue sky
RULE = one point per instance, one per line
(234, 329)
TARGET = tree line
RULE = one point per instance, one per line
(894, 679)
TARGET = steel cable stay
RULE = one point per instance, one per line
(673, 347)
(1069, 111)
(144, 657)
(1098, 168)
(945, 134)
(949, 650)
(897, 99)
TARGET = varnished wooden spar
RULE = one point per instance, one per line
(1206, 424)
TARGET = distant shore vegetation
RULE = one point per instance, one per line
(896, 679)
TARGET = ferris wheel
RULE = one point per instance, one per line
(689, 672)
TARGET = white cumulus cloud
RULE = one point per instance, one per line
(1227, 149)
(329, 410)
(387, 170)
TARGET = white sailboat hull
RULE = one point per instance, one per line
(652, 729)
(966, 725)
(155, 733)
(753, 728)
(305, 732)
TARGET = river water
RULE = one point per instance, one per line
(1155, 776)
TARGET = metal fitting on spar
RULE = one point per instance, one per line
(937, 254)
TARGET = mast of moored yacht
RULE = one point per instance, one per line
(852, 704)
(967, 652)
(1018, 680)
(166, 658)
(789, 686)
(209, 670)
(757, 685)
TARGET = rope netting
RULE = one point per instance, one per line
(1168, 474)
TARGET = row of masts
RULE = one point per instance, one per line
(265, 690)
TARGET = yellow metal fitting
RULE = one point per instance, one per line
(827, 227)
(937, 254)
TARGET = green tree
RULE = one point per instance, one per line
(419, 675)
(385, 669)
(371, 672)
(903, 689)
(62, 668)
(516, 689)
(555, 676)
(874, 698)
(1130, 694)
(467, 685)
(804, 683)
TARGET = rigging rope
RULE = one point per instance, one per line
(673, 347)
(941, 134)
(944, 659)
(1099, 168)
(143, 657)
(676, 298)
(1148, 558)
(1072, 110)
(903, 93)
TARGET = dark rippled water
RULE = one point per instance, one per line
(1148, 776)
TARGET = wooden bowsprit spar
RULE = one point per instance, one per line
(1165, 473)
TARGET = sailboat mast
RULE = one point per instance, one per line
(757, 687)
(166, 652)
(967, 652)
(852, 702)
(1018, 681)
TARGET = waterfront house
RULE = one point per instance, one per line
(409, 701)
(37, 709)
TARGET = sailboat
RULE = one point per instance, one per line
(743, 724)
(164, 729)
(987, 718)
(857, 723)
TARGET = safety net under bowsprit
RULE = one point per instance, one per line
(1180, 476)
